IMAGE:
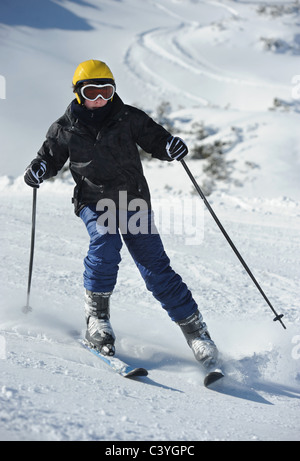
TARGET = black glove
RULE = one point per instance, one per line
(33, 175)
(176, 148)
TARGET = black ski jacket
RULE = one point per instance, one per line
(104, 161)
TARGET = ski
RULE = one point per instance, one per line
(212, 376)
(127, 371)
(117, 365)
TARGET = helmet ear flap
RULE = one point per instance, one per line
(76, 90)
(79, 100)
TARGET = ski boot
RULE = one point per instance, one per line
(99, 333)
(199, 340)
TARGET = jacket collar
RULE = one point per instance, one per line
(97, 117)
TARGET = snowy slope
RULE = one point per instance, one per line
(221, 63)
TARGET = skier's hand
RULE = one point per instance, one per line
(176, 148)
(33, 175)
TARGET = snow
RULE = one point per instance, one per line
(211, 62)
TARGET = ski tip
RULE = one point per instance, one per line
(136, 372)
(212, 377)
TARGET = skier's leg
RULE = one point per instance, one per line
(168, 288)
(103, 257)
(100, 275)
(153, 263)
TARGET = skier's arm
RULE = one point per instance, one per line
(155, 139)
(54, 150)
(151, 136)
(50, 158)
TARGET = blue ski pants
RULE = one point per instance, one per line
(146, 248)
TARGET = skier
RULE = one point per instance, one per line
(99, 135)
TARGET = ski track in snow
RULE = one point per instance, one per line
(159, 53)
(50, 387)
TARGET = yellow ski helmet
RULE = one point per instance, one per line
(91, 70)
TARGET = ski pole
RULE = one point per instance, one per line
(277, 316)
(28, 308)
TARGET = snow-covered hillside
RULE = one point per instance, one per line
(229, 69)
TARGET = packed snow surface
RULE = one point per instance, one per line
(228, 66)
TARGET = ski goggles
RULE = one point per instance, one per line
(92, 92)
